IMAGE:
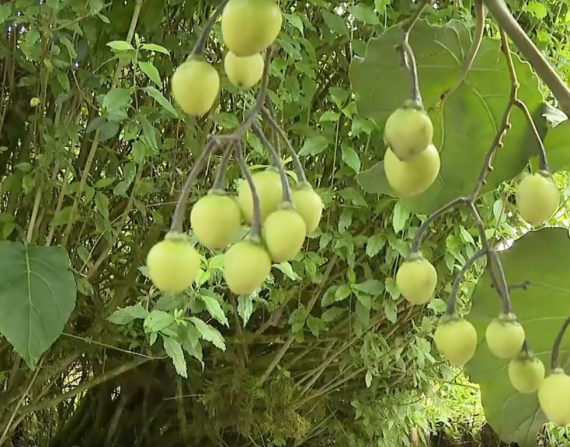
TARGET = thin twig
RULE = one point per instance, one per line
(205, 34)
(451, 303)
(555, 360)
(256, 222)
(220, 180)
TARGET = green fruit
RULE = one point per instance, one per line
(250, 26)
(244, 72)
(309, 205)
(416, 279)
(284, 232)
(505, 337)
(554, 397)
(195, 86)
(215, 220)
(173, 264)
(246, 266)
(537, 198)
(456, 339)
(526, 373)
(412, 177)
(269, 190)
(408, 132)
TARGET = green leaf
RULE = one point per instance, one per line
(173, 350)
(117, 99)
(315, 325)
(150, 70)
(335, 23)
(342, 293)
(54, 4)
(537, 9)
(287, 270)
(372, 286)
(155, 47)
(128, 314)
(365, 14)
(149, 133)
(158, 320)
(391, 311)
(295, 21)
(332, 314)
(375, 244)
(108, 130)
(245, 308)
(160, 98)
(37, 296)
(556, 145)
(471, 114)
(104, 182)
(400, 217)
(120, 45)
(5, 12)
(365, 300)
(314, 146)
(102, 204)
(542, 258)
(350, 157)
(209, 333)
(214, 309)
(329, 116)
(392, 288)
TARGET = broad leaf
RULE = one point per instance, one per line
(158, 320)
(37, 296)
(150, 70)
(120, 45)
(173, 350)
(542, 258)
(159, 97)
(214, 309)
(128, 314)
(209, 333)
(465, 122)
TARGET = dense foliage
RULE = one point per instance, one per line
(94, 153)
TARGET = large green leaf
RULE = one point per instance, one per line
(542, 258)
(465, 122)
(557, 144)
(37, 296)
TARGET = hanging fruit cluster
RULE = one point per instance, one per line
(280, 216)
(411, 165)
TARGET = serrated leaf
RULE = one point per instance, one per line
(350, 157)
(128, 314)
(245, 308)
(392, 288)
(332, 314)
(314, 325)
(160, 98)
(400, 217)
(470, 115)
(150, 70)
(214, 309)
(37, 295)
(287, 270)
(391, 311)
(342, 293)
(117, 99)
(173, 350)
(540, 257)
(372, 287)
(120, 45)
(314, 146)
(375, 244)
(149, 133)
(209, 333)
(158, 320)
(295, 21)
(155, 47)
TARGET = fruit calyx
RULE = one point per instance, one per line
(415, 256)
(217, 192)
(507, 318)
(304, 185)
(176, 236)
(413, 104)
(286, 205)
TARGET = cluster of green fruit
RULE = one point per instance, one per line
(173, 264)
(248, 28)
(411, 161)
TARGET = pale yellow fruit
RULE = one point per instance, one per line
(537, 198)
(215, 220)
(416, 280)
(269, 190)
(309, 205)
(554, 398)
(246, 266)
(243, 72)
(195, 86)
(412, 177)
(456, 340)
(284, 232)
(408, 132)
(504, 338)
(526, 374)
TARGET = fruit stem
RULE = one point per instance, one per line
(203, 37)
(220, 180)
(502, 287)
(256, 223)
(451, 303)
(180, 210)
(555, 361)
(526, 348)
(416, 243)
(302, 177)
(542, 160)
(287, 196)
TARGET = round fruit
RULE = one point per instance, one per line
(537, 198)
(456, 339)
(554, 397)
(215, 219)
(412, 177)
(408, 132)
(269, 190)
(309, 205)
(416, 279)
(246, 266)
(195, 86)
(173, 264)
(250, 26)
(505, 337)
(243, 72)
(526, 373)
(284, 232)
